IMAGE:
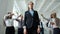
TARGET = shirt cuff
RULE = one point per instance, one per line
(24, 27)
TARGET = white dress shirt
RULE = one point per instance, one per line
(9, 22)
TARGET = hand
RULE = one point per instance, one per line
(52, 23)
(25, 31)
(38, 30)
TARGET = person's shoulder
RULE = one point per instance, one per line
(5, 16)
(26, 11)
(35, 10)
(57, 19)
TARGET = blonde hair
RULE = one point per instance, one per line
(53, 13)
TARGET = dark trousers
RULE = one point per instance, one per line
(56, 31)
(20, 30)
(32, 30)
(10, 30)
(41, 30)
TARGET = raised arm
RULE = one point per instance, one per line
(44, 17)
(24, 20)
(38, 20)
(24, 27)
(4, 18)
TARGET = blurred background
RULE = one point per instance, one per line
(44, 7)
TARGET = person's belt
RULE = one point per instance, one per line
(9, 26)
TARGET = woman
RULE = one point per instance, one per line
(8, 22)
(54, 23)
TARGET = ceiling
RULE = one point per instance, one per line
(42, 6)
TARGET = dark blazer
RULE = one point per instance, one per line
(31, 21)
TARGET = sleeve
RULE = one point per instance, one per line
(38, 20)
(24, 21)
(59, 23)
(4, 18)
(45, 18)
(14, 17)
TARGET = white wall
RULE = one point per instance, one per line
(5, 5)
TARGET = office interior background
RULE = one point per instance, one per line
(44, 7)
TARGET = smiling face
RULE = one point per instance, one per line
(30, 5)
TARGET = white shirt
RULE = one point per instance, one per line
(53, 20)
(9, 22)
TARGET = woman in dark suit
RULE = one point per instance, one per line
(31, 20)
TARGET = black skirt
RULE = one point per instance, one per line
(56, 31)
(10, 30)
(20, 30)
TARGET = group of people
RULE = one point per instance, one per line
(53, 23)
(31, 22)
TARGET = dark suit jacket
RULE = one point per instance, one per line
(31, 21)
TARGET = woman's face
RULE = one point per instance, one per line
(53, 15)
(30, 5)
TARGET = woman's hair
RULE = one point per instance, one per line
(54, 14)
(32, 4)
